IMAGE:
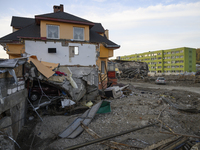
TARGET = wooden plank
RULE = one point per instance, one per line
(163, 142)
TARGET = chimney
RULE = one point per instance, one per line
(107, 33)
(58, 8)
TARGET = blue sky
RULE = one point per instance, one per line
(136, 25)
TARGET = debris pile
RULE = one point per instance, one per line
(142, 119)
(66, 112)
(132, 69)
(48, 82)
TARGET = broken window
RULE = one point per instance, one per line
(52, 32)
(103, 66)
(73, 50)
(78, 33)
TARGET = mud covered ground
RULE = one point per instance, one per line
(142, 107)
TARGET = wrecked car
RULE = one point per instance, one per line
(36, 91)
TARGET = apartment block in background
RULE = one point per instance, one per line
(178, 60)
(198, 56)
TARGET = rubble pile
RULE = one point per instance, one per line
(132, 69)
(50, 83)
(154, 122)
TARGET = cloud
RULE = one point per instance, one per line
(3, 53)
(154, 27)
(130, 17)
(5, 25)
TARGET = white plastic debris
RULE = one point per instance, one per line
(67, 102)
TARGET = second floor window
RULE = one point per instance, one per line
(52, 32)
(78, 33)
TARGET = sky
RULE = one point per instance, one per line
(136, 25)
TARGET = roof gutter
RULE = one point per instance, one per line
(35, 38)
(112, 46)
(9, 41)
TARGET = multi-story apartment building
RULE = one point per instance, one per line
(198, 56)
(176, 60)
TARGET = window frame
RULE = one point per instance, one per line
(103, 63)
(83, 33)
(47, 27)
(72, 51)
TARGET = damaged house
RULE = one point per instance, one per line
(55, 52)
(62, 38)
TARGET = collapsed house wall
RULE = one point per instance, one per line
(12, 106)
(86, 79)
(64, 53)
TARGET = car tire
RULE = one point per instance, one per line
(34, 97)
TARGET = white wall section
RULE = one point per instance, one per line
(86, 56)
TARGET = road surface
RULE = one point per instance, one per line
(167, 87)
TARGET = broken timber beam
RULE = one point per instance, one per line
(176, 143)
(178, 134)
(107, 137)
(111, 144)
(163, 142)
